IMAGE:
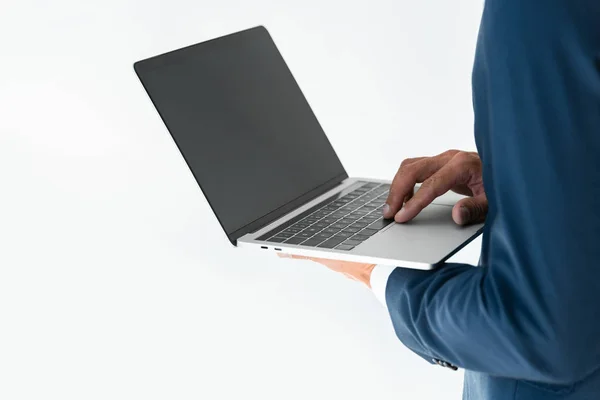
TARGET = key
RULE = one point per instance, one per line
(344, 235)
(382, 223)
(285, 234)
(338, 214)
(328, 220)
(305, 235)
(369, 232)
(344, 247)
(295, 240)
(352, 243)
(369, 221)
(360, 237)
(371, 217)
(355, 215)
(311, 229)
(277, 239)
(323, 235)
(312, 242)
(338, 226)
(369, 185)
(361, 213)
(331, 243)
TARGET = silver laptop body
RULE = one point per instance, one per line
(423, 243)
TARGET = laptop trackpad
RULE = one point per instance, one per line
(430, 237)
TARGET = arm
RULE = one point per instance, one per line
(531, 311)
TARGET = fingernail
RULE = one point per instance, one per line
(386, 209)
(465, 214)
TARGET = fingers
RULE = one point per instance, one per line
(331, 264)
(323, 261)
(296, 257)
(442, 181)
(411, 172)
(356, 271)
(472, 210)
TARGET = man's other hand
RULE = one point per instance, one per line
(454, 170)
(355, 271)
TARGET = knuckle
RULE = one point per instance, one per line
(462, 157)
(406, 162)
(468, 159)
(425, 186)
(406, 172)
(431, 184)
(410, 164)
(450, 152)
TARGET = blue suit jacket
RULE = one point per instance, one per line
(525, 324)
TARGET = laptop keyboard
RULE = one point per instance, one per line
(342, 224)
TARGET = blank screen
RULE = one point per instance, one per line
(242, 124)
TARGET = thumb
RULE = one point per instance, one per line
(471, 210)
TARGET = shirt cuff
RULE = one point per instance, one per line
(379, 280)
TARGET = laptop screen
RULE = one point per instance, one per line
(243, 126)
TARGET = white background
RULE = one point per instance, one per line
(116, 281)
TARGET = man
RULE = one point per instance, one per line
(525, 324)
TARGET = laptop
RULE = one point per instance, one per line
(266, 167)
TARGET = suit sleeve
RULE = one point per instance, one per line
(531, 310)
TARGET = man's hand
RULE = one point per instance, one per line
(454, 170)
(355, 271)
